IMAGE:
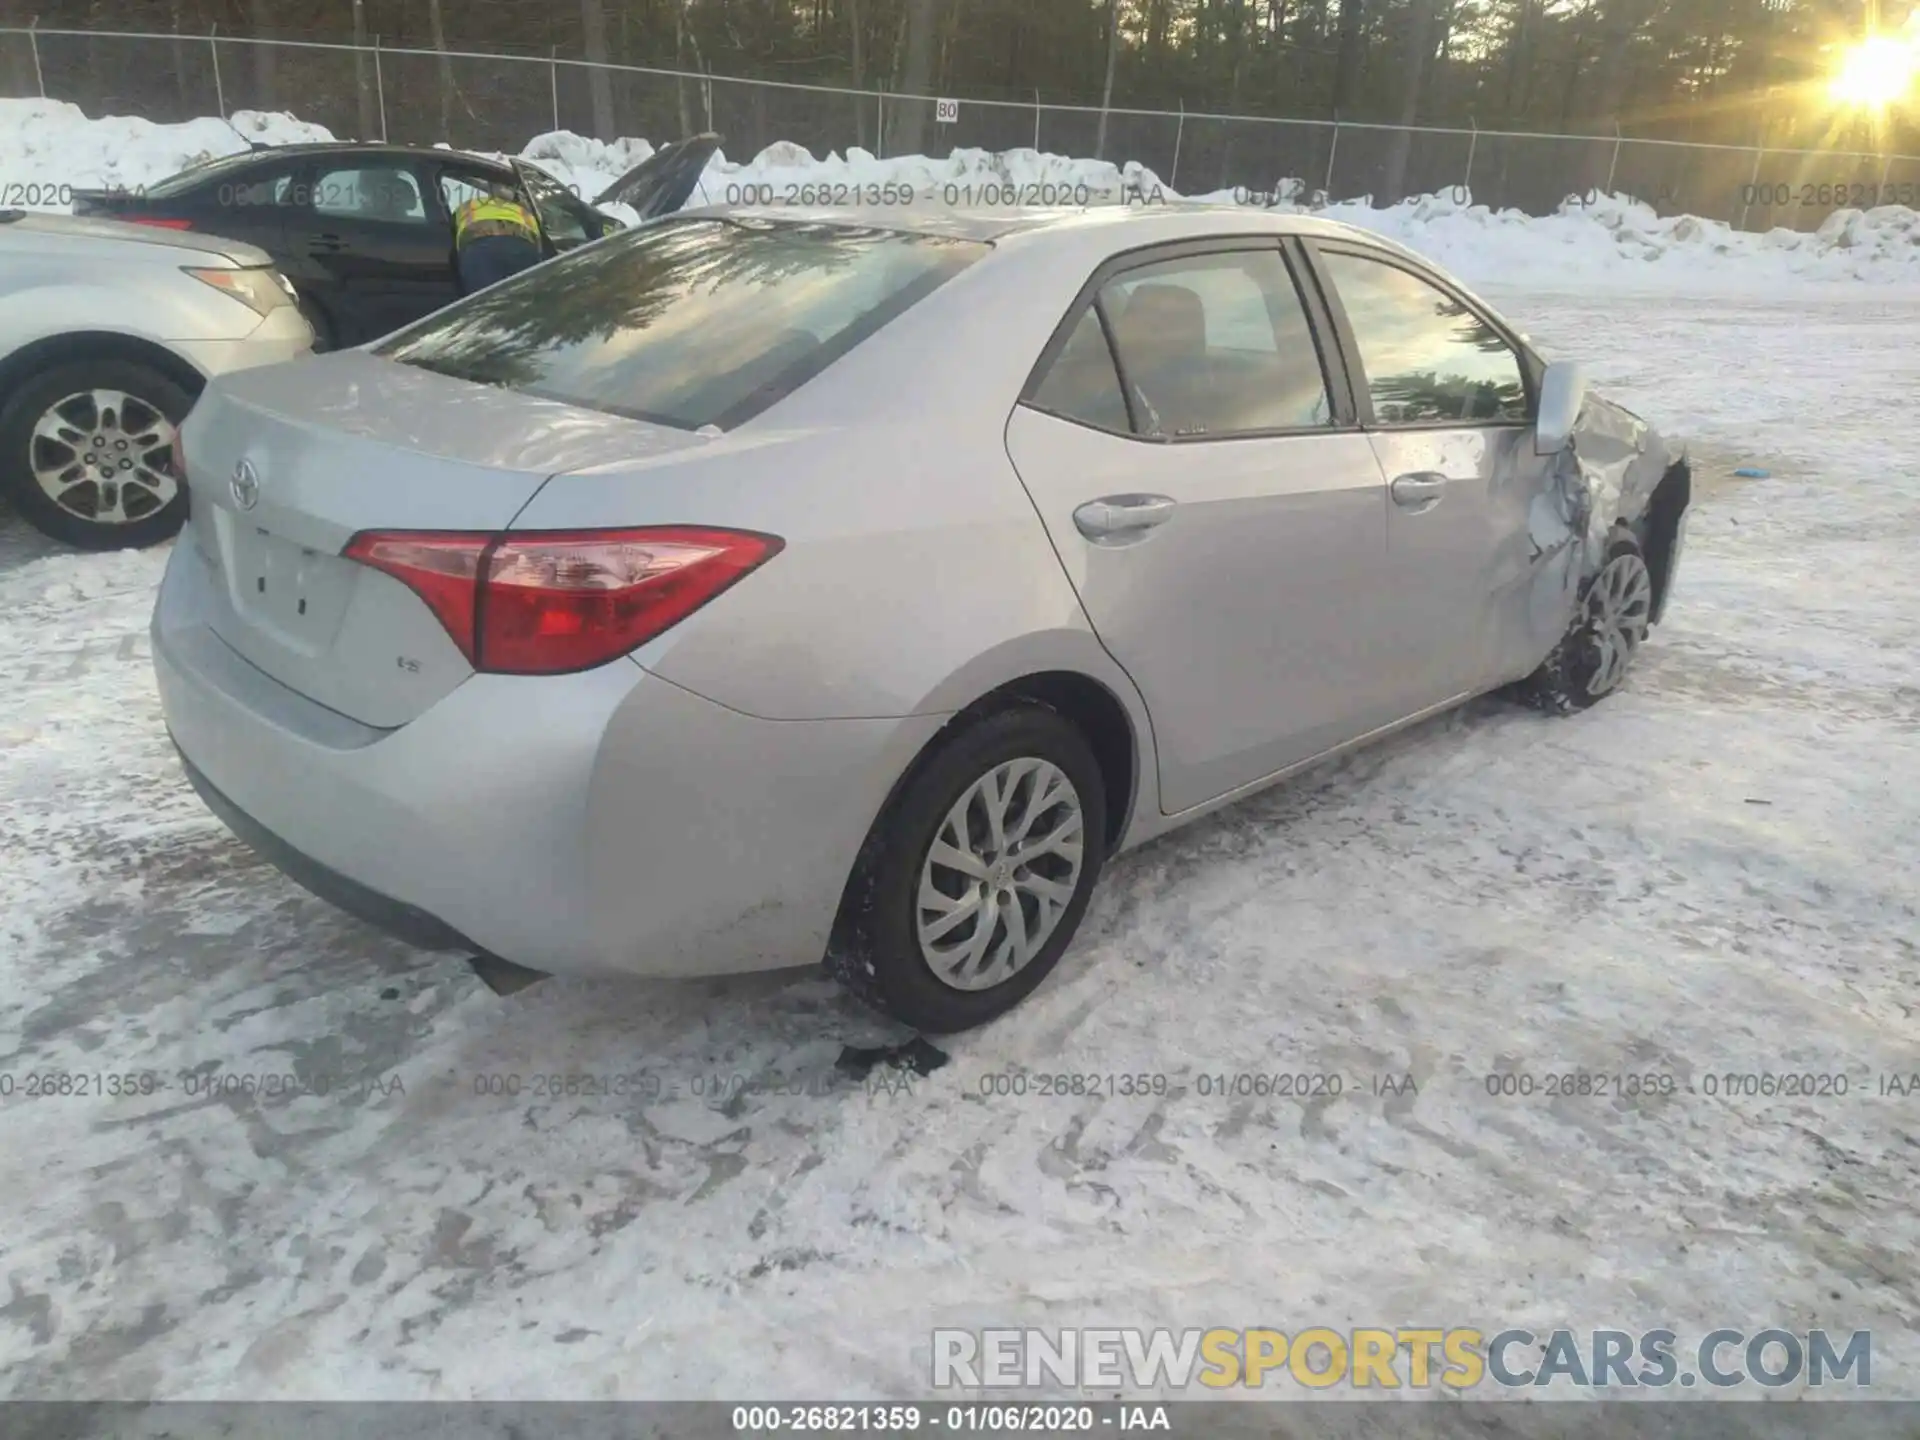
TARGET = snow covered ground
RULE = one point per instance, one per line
(49, 148)
(1710, 874)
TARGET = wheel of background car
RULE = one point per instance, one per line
(1609, 626)
(974, 880)
(86, 453)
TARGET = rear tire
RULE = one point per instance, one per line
(996, 920)
(1609, 626)
(112, 422)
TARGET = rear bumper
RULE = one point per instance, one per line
(383, 912)
(608, 821)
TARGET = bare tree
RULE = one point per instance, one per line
(1346, 59)
(363, 91)
(909, 125)
(1106, 90)
(593, 32)
(1413, 75)
(856, 23)
(264, 77)
(679, 63)
(1346, 70)
(179, 54)
(436, 23)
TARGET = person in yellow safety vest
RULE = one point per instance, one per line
(494, 236)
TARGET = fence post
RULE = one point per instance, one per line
(1036, 122)
(1332, 150)
(1179, 130)
(1746, 196)
(706, 94)
(1614, 164)
(33, 39)
(1473, 143)
(219, 90)
(1885, 170)
(380, 89)
(880, 134)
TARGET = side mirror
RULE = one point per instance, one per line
(1563, 390)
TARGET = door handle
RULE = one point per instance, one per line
(328, 242)
(1122, 516)
(1419, 491)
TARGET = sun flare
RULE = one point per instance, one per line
(1876, 73)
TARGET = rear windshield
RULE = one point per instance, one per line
(689, 322)
(201, 171)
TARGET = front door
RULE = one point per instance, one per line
(1220, 516)
(1445, 398)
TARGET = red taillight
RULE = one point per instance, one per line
(549, 602)
(159, 223)
(440, 568)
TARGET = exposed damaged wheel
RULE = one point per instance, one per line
(1609, 626)
(973, 882)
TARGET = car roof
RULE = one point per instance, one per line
(1143, 223)
(372, 149)
(1107, 231)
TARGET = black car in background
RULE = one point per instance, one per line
(365, 232)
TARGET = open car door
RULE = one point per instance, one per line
(662, 183)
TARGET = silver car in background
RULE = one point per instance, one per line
(751, 590)
(108, 331)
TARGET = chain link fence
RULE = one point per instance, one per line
(499, 102)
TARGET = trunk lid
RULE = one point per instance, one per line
(661, 184)
(106, 202)
(287, 463)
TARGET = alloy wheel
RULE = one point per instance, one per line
(1002, 869)
(105, 456)
(1618, 608)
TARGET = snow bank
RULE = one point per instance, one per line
(1619, 236)
(48, 146)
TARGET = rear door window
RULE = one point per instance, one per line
(1210, 345)
(687, 323)
(1217, 345)
(381, 194)
(227, 169)
(1082, 383)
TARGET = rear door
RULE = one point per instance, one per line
(1189, 442)
(1447, 401)
(379, 240)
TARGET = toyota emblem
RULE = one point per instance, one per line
(245, 485)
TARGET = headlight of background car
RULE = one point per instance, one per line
(261, 290)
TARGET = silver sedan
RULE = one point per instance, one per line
(107, 333)
(756, 590)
